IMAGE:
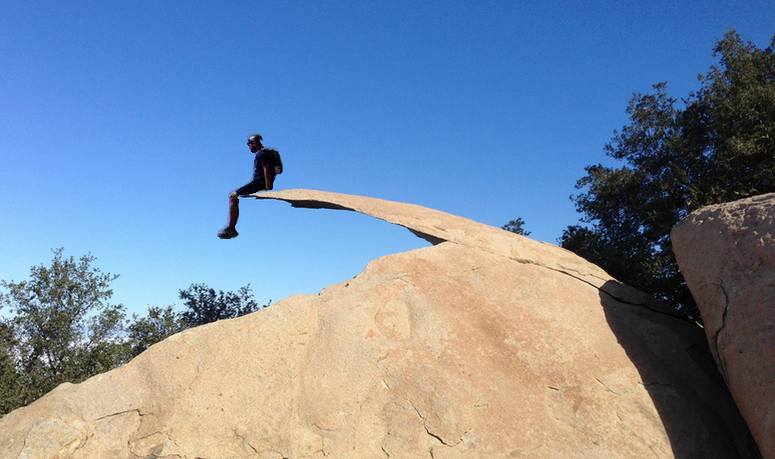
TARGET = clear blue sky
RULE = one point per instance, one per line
(123, 124)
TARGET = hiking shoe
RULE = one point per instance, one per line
(228, 233)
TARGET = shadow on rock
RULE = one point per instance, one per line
(678, 371)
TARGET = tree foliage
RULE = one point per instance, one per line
(204, 305)
(63, 327)
(716, 145)
(157, 325)
(9, 377)
(516, 226)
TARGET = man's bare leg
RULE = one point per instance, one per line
(233, 210)
(231, 230)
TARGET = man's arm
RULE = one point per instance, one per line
(268, 175)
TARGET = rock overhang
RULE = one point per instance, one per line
(436, 226)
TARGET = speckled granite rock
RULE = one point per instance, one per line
(726, 253)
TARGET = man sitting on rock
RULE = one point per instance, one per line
(263, 179)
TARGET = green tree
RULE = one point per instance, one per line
(63, 327)
(204, 305)
(160, 323)
(716, 145)
(516, 226)
(9, 378)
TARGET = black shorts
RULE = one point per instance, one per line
(250, 188)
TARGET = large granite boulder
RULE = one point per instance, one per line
(726, 253)
(486, 344)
